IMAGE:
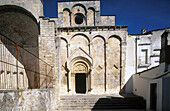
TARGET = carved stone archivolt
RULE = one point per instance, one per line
(80, 68)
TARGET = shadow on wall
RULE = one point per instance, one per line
(128, 87)
(127, 100)
(19, 30)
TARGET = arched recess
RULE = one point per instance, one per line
(100, 36)
(79, 65)
(80, 60)
(79, 41)
(78, 12)
(64, 55)
(91, 16)
(66, 18)
(113, 63)
(20, 26)
(98, 55)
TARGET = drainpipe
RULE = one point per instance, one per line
(136, 56)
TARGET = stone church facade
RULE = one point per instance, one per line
(78, 52)
(92, 49)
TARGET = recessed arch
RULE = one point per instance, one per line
(66, 9)
(114, 61)
(81, 35)
(80, 74)
(79, 66)
(79, 41)
(78, 11)
(92, 8)
(66, 17)
(81, 5)
(91, 16)
(14, 8)
(64, 39)
(80, 59)
(99, 37)
(116, 36)
(20, 26)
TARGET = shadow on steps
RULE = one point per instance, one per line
(127, 101)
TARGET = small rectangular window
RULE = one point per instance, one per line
(144, 56)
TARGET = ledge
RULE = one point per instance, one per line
(144, 44)
(143, 65)
(92, 28)
(155, 55)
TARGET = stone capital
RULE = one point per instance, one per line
(106, 44)
(68, 45)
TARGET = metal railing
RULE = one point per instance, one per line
(21, 69)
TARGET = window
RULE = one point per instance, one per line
(145, 56)
(79, 19)
(144, 59)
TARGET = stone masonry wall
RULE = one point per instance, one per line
(46, 50)
(90, 10)
(106, 48)
(28, 100)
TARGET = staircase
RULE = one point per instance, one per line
(100, 102)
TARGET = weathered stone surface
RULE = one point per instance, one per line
(79, 45)
(89, 10)
(28, 100)
(105, 68)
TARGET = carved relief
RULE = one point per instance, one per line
(99, 68)
(80, 68)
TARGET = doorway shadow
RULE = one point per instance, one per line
(80, 85)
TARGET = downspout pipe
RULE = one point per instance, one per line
(136, 51)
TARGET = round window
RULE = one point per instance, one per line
(79, 19)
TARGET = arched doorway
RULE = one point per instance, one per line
(79, 76)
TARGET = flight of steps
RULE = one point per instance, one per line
(100, 102)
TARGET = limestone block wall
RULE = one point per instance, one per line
(28, 100)
(107, 48)
(48, 52)
(98, 55)
(108, 20)
(64, 74)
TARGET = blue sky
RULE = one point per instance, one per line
(136, 14)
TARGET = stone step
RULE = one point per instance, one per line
(98, 102)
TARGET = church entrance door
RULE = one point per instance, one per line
(80, 83)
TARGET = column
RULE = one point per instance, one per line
(69, 82)
(89, 81)
(68, 50)
(105, 64)
(90, 47)
(73, 83)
